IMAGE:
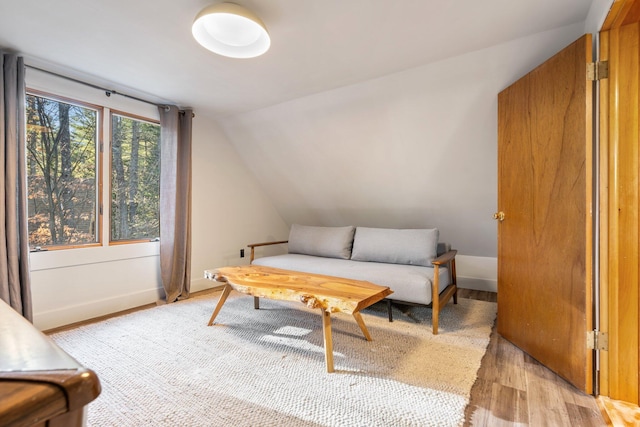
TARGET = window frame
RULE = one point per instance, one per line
(135, 117)
(99, 166)
(104, 111)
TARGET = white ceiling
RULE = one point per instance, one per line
(145, 47)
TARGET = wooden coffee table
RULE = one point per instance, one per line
(329, 294)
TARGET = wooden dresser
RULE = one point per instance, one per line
(40, 384)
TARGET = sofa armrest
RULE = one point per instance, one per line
(438, 301)
(445, 257)
(255, 245)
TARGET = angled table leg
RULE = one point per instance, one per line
(363, 327)
(223, 298)
(328, 341)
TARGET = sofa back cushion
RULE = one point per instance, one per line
(408, 246)
(329, 242)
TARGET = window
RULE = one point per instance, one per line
(62, 140)
(135, 178)
(65, 175)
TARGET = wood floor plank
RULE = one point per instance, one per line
(509, 404)
(511, 364)
(478, 412)
(544, 394)
(584, 416)
(513, 389)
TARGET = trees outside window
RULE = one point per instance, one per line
(64, 161)
(135, 178)
(62, 141)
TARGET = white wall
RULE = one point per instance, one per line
(597, 14)
(230, 210)
(412, 149)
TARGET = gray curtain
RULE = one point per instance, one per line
(15, 286)
(175, 202)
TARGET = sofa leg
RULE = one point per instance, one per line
(256, 303)
(389, 310)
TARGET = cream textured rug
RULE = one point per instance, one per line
(164, 366)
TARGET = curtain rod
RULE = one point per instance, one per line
(107, 92)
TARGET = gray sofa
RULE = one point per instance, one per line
(411, 262)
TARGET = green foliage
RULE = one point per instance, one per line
(61, 163)
(135, 179)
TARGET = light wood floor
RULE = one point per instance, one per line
(513, 389)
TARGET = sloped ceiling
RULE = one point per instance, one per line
(145, 47)
(414, 149)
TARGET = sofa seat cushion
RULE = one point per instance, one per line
(409, 283)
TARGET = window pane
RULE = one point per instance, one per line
(61, 172)
(135, 179)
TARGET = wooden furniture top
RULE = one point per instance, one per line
(333, 294)
(38, 380)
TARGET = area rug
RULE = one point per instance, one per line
(164, 366)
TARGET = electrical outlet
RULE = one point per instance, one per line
(241, 253)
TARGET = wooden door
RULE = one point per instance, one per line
(544, 190)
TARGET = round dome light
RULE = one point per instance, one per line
(231, 30)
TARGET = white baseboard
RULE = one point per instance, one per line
(77, 313)
(477, 284)
(91, 309)
(478, 273)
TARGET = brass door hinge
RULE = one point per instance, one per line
(597, 70)
(597, 340)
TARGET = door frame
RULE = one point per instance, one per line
(619, 208)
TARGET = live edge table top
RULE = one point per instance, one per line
(333, 294)
(329, 294)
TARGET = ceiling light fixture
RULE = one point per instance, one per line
(231, 30)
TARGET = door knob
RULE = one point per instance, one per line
(499, 216)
